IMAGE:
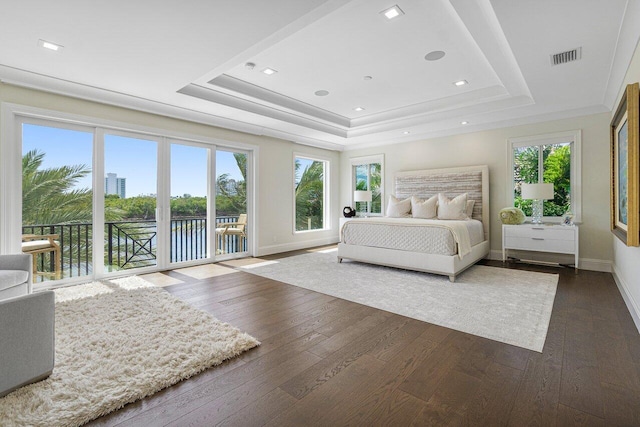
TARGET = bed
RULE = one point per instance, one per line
(431, 246)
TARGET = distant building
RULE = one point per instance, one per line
(115, 185)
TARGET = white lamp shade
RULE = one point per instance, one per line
(537, 191)
(362, 196)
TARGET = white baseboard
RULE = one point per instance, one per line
(633, 307)
(601, 265)
(295, 246)
(585, 263)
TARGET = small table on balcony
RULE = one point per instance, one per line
(35, 244)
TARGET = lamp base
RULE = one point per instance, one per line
(536, 216)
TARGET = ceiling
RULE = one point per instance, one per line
(204, 61)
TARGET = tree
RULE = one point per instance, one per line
(556, 160)
(48, 196)
(309, 196)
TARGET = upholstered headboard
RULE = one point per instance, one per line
(473, 180)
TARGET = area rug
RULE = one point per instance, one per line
(117, 342)
(506, 305)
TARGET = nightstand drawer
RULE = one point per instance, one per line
(557, 239)
(542, 232)
(542, 244)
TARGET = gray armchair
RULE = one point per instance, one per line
(15, 275)
(26, 326)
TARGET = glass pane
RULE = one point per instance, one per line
(130, 202)
(189, 211)
(309, 185)
(525, 170)
(557, 170)
(375, 175)
(362, 183)
(231, 202)
(57, 201)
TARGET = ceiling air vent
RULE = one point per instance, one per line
(568, 56)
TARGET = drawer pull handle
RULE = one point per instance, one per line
(537, 238)
(537, 228)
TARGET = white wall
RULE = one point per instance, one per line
(275, 167)
(626, 260)
(490, 148)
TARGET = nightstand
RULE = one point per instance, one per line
(559, 239)
(343, 220)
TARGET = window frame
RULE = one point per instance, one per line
(362, 161)
(574, 137)
(14, 115)
(326, 218)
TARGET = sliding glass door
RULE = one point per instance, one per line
(190, 202)
(99, 202)
(130, 193)
(57, 207)
(232, 219)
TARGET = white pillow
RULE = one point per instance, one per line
(424, 208)
(452, 209)
(470, 205)
(398, 208)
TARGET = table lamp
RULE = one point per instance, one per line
(362, 196)
(538, 193)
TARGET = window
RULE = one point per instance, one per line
(310, 193)
(367, 174)
(150, 197)
(553, 158)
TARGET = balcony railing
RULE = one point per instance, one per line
(131, 244)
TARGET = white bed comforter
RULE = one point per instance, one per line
(413, 234)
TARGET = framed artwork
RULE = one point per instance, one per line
(625, 170)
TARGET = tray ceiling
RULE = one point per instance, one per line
(345, 76)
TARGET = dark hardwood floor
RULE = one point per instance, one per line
(325, 361)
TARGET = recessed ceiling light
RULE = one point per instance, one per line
(406, 132)
(359, 109)
(367, 78)
(392, 12)
(322, 92)
(435, 55)
(269, 71)
(464, 123)
(249, 65)
(461, 83)
(48, 45)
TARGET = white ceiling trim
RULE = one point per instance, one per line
(449, 131)
(49, 84)
(479, 18)
(625, 47)
(237, 87)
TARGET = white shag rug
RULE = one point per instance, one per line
(506, 305)
(116, 342)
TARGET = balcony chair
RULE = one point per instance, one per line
(26, 326)
(233, 228)
(35, 244)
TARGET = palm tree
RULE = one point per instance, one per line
(310, 196)
(48, 196)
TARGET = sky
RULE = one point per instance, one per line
(130, 158)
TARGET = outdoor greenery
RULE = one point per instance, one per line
(309, 196)
(48, 196)
(374, 170)
(556, 160)
(51, 197)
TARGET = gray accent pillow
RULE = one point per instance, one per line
(470, 205)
